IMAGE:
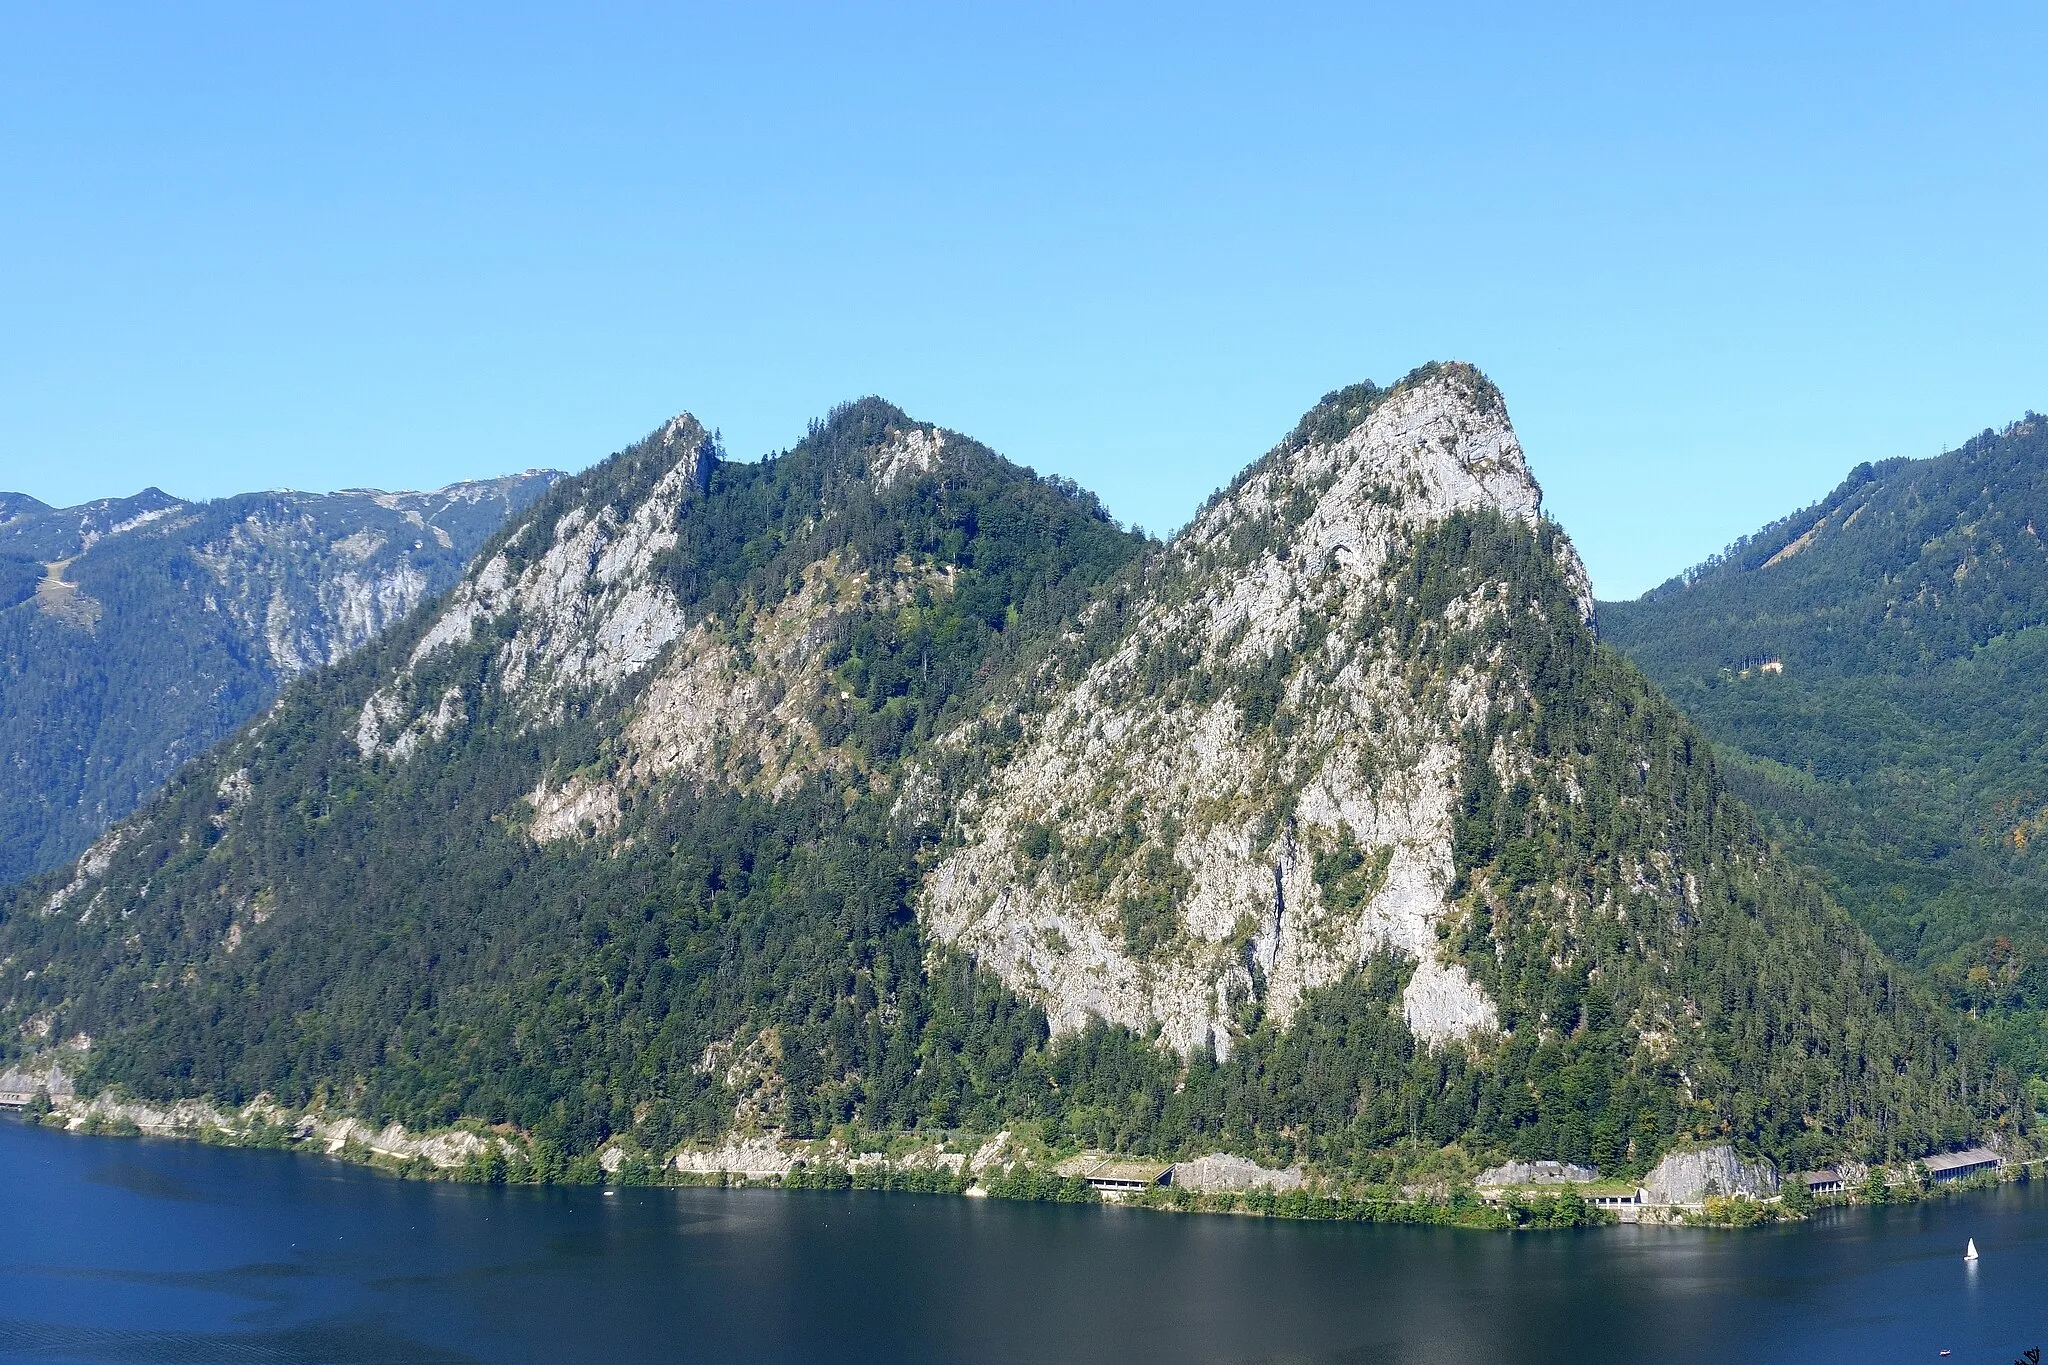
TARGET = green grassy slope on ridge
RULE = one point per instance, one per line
(1873, 668)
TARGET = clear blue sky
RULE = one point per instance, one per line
(1714, 254)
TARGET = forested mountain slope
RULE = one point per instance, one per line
(137, 632)
(1876, 670)
(884, 783)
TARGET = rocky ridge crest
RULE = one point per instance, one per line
(1149, 854)
(587, 611)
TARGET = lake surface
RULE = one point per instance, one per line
(149, 1251)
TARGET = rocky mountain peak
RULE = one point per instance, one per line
(1368, 466)
(1252, 792)
(16, 505)
(684, 439)
(682, 432)
(874, 438)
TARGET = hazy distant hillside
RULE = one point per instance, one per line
(884, 784)
(1877, 665)
(135, 632)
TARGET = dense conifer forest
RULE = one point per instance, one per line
(383, 936)
(1872, 669)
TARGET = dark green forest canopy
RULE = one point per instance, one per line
(402, 948)
(1873, 668)
(417, 951)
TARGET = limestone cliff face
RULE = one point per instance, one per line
(587, 611)
(703, 698)
(307, 602)
(1250, 793)
(736, 707)
(1688, 1177)
(307, 578)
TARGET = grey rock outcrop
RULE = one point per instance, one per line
(1538, 1173)
(1689, 1177)
(760, 1157)
(21, 1083)
(1220, 1172)
(446, 1149)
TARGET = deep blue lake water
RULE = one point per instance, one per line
(148, 1251)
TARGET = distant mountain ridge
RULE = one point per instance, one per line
(884, 784)
(32, 528)
(1876, 667)
(135, 632)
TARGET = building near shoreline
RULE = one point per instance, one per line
(1962, 1165)
(1601, 1194)
(1124, 1177)
(1108, 1175)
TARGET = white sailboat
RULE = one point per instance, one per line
(1970, 1253)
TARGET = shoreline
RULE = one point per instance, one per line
(999, 1168)
(504, 1159)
